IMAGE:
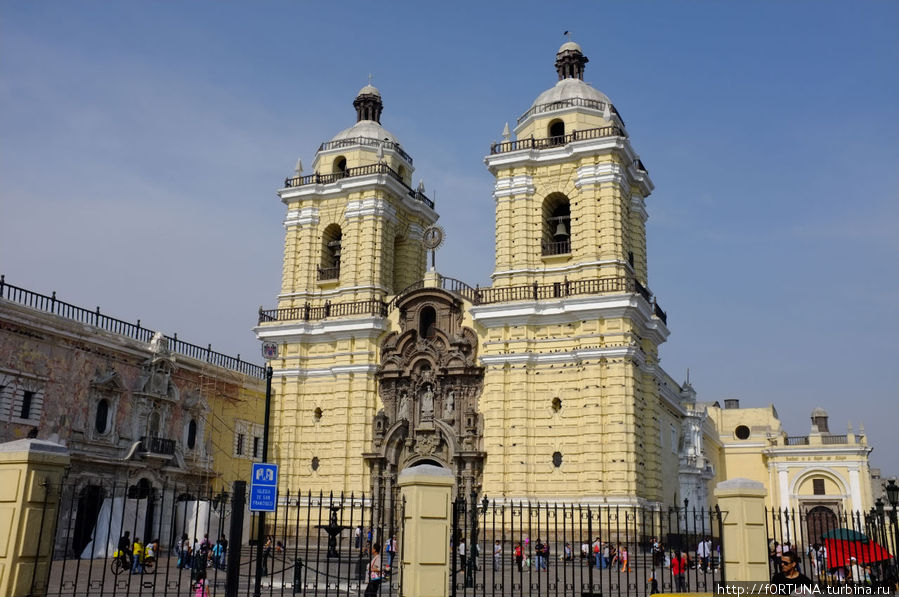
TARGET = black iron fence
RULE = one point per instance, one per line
(536, 548)
(836, 548)
(131, 540)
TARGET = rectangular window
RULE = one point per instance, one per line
(256, 447)
(240, 444)
(26, 404)
(818, 486)
(674, 439)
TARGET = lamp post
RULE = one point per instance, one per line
(260, 531)
(892, 491)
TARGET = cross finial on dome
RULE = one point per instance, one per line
(568, 35)
(369, 78)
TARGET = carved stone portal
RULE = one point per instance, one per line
(429, 383)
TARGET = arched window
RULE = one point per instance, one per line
(556, 225)
(331, 249)
(557, 132)
(427, 322)
(339, 166)
(192, 434)
(101, 421)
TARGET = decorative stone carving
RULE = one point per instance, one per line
(428, 379)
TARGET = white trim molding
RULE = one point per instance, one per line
(507, 186)
(600, 173)
(370, 206)
(570, 310)
(335, 371)
(326, 330)
(301, 217)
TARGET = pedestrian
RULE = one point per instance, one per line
(622, 559)
(124, 549)
(540, 550)
(266, 554)
(704, 551)
(201, 586)
(568, 555)
(497, 555)
(357, 537)
(606, 555)
(597, 554)
(678, 570)
(374, 572)
(789, 575)
(519, 557)
(137, 552)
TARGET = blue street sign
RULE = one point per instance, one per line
(263, 487)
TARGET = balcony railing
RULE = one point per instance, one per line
(562, 247)
(568, 103)
(548, 142)
(328, 273)
(299, 181)
(307, 312)
(476, 296)
(135, 331)
(157, 445)
(796, 440)
(834, 439)
(367, 141)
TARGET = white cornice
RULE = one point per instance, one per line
(301, 217)
(331, 293)
(600, 173)
(570, 310)
(638, 205)
(325, 330)
(507, 186)
(370, 206)
(565, 153)
(335, 371)
(574, 267)
(352, 184)
(830, 450)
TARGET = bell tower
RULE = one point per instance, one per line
(353, 239)
(571, 332)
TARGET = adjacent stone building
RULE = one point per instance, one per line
(142, 415)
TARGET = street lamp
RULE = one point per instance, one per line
(892, 491)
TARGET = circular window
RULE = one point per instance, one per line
(315, 463)
(557, 459)
(317, 413)
(192, 434)
(557, 404)
(742, 432)
(102, 420)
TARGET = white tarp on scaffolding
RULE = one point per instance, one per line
(116, 516)
(198, 518)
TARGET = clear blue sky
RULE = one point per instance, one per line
(141, 144)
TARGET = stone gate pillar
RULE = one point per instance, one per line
(745, 540)
(427, 491)
(31, 472)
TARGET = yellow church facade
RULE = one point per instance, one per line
(545, 384)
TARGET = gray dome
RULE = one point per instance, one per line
(366, 128)
(819, 412)
(570, 89)
(570, 45)
(369, 90)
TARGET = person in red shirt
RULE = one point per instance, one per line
(678, 570)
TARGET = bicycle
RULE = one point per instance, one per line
(120, 562)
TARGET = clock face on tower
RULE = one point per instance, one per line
(432, 237)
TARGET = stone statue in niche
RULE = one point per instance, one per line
(405, 409)
(427, 402)
(449, 405)
(159, 344)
